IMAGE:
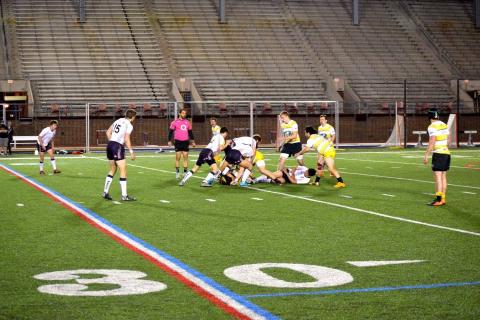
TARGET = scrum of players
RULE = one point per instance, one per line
(241, 157)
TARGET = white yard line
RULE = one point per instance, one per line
(211, 200)
(466, 192)
(388, 195)
(333, 204)
(407, 179)
(395, 162)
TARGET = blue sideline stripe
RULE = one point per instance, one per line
(380, 289)
(240, 299)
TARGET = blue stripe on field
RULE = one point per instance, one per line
(238, 298)
(379, 289)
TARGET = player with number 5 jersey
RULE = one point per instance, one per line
(118, 136)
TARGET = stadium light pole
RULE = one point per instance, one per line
(356, 12)
(222, 14)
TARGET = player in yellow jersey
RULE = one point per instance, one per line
(438, 145)
(215, 126)
(290, 140)
(328, 132)
(324, 148)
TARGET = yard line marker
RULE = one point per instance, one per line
(381, 263)
(258, 199)
(20, 205)
(116, 202)
(388, 195)
(428, 193)
(354, 290)
(348, 207)
(393, 162)
(368, 168)
(378, 214)
(222, 297)
(406, 179)
(345, 196)
(395, 167)
(466, 192)
(164, 201)
(211, 200)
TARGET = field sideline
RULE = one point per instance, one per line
(371, 250)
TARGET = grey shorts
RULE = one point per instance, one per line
(3, 142)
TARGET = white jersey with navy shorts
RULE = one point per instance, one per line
(207, 155)
(115, 147)
(300, 175)
(245, 145)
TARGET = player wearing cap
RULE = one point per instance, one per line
(438, 147)
(119, 135)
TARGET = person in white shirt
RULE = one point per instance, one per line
(297, 175)
(118, 136)
(45, 143)
(207, 155)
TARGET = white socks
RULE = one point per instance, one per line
(245, 175)
(54, 164)
(123, 186)
(41, 166)
(108, 182)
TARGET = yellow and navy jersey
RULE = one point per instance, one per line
(258, 157)
(326, 131)
(439, 130)
(289, 129)
(319, 143)
(215, 130)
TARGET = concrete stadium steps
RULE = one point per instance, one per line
(379, 50)
(91, 60)
(450, 23)
(256, 46)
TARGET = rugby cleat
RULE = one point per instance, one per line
(314, 183)
(206, 184)
(57, 171)
(128, 198)
(182, 183)
(436, 203)
(42, 172)
(106, 196)
(340, 185)
(244, 184)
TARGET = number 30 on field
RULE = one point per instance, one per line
(132, 282)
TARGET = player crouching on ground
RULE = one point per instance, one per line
(298, 175)
(45, 143)
(325, 149)
(207, 155)
(119, 134)
(241, 152)
(438, 145)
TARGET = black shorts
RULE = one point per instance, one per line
(182, 145)
(205, 156)
(440, 162)
(45, 149)
(286, 176)
(291, 148)
(234, 157)
(115, 151)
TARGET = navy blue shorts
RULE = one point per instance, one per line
(182, 145)
(44, 149)
(291, 148)
(440, 162)
(115, 151)
(205, 156)
(234, 157)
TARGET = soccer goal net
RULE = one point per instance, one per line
(397, 137)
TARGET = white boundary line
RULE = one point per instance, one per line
(396, 162)
(336, 205)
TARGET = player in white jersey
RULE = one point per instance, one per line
(241, 152)
(45, 143)
(207, 155)
(118, 136)
(298, 175)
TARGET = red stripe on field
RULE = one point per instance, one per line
(199, 290)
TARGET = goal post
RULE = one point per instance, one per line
(397, 136)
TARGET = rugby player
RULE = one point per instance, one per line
(45, 143)
(325, 149)
(328, 132)
(438, 147)
(290, 141)
(298, 175)
(207, 155)
(118, 136)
